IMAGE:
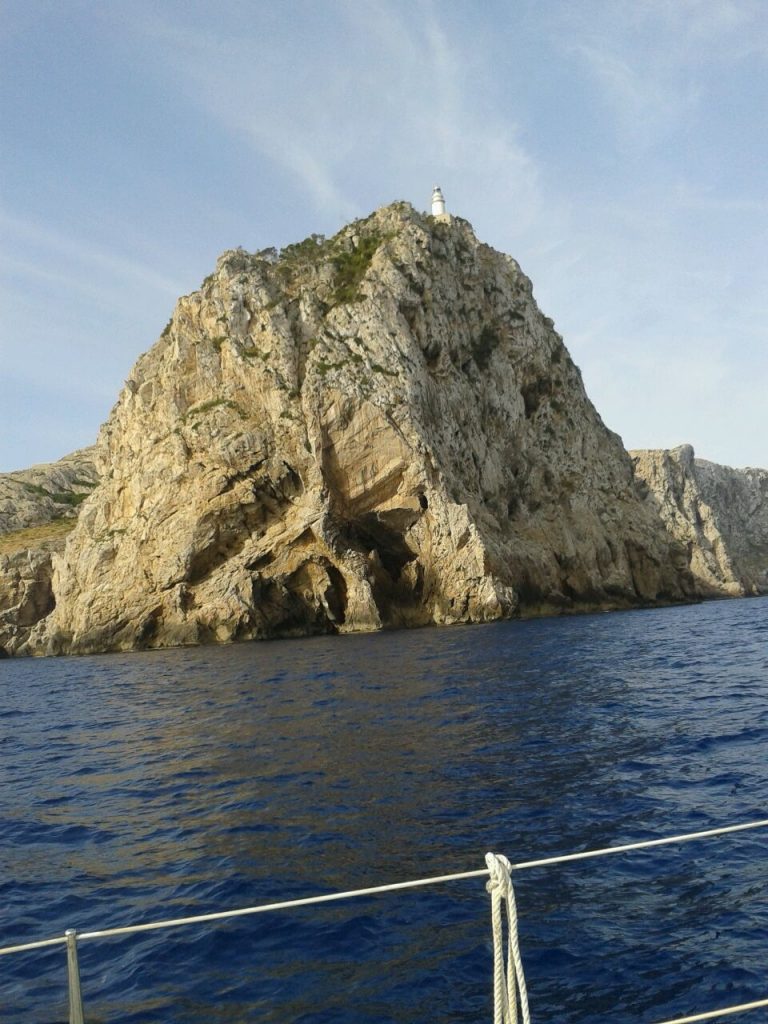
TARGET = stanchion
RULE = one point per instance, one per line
(73, 975)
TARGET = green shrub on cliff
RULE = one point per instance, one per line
(350, 266)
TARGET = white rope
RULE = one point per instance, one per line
(509, 984)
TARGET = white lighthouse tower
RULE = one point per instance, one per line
(438, 202)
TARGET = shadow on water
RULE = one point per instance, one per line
(171, 783)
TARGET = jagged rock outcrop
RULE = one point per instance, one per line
(719, 514)
(26, 592)
(38, 508)
(381, 429)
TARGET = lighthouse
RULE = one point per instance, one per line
(438, 202)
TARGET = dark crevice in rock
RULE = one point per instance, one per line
(310, 600)
(533, 393)
(149, 628)
(335, 595)
(372, 532)
(260, 562)
(243, 474)
(382, 537)
(203, 562)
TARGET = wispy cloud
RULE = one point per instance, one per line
(584, 138)
(650, 60)
(388, 90)
(258, 97)
(59, 251)
(647, 105)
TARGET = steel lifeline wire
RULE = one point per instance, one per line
(509, 983)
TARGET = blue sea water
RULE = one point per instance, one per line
(163, 784)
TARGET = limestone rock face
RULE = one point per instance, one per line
(376, 430)
(26, 593)
(719, 514)
(30, 497)
(38, 507)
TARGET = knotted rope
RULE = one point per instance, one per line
(510, 983)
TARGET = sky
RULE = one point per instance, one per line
(616, 148)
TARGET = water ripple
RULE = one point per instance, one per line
(182, 782)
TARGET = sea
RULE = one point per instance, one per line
(156, 785)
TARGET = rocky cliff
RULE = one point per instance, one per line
(719, 514)
(38, 508)
(48, 492)
(379, 429)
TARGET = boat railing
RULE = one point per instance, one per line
(72, 938)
